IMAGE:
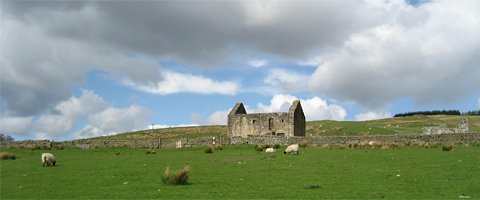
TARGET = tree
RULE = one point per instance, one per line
(6, 138)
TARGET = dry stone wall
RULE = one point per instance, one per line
(456, 138)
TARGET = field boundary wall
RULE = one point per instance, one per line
(452, 138)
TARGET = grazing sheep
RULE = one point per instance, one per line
(291, 149)
(48, 159)
(270, 150)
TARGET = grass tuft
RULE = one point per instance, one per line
(218, 147)
(447, 147)
(312, 186)
(150, 151)
(8, 156)
(209, 149)
(180, 177)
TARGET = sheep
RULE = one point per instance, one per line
(270, 150)
(48, 159)
(291, 149)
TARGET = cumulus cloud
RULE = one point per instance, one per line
(415, 52)
(115, 120)
(314, 108)
(218, 118)
(285, 81)
(15, 125)
(59, 122)
(64, 116)
(174, 82)
(371, 116)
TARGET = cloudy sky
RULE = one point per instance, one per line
(75, 69)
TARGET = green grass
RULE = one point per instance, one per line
(241, 172)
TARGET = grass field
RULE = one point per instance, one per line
(241, 172)
(401, 125)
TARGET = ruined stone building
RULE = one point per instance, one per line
(462, 127)
(282, 124)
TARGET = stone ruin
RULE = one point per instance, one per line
(280, 124)
(443, 129)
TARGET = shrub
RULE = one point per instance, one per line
(7, 156)
(209, 149)
(277, 146)
(259, 148)
(447, 147)
(218, 147)
(180, 177)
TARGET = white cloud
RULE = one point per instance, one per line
(257, 63)
(371, 116)
(218, 118)
(15, 125)
(174, 82)
(415, 52)
(284, 81)
(314, 108)
(67, 113)
(102, 119)
(115, 120)
(312, 61)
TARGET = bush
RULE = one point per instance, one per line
(447, 147)
(209, 149)
(218, 147)
(258, 147)
(276, 146)
(7, 156)
(180, 177)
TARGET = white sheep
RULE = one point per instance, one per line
(48, 159)
(270, 150)
(291, 149)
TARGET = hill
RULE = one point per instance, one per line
(390, 126)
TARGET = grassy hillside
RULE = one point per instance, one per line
(390, 126)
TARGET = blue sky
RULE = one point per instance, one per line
(89, 68)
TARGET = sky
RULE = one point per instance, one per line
(79, 69)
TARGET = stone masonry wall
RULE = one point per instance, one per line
(456, 138)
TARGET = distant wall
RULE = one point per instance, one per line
(456, 138)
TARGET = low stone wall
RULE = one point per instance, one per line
(455, 138)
